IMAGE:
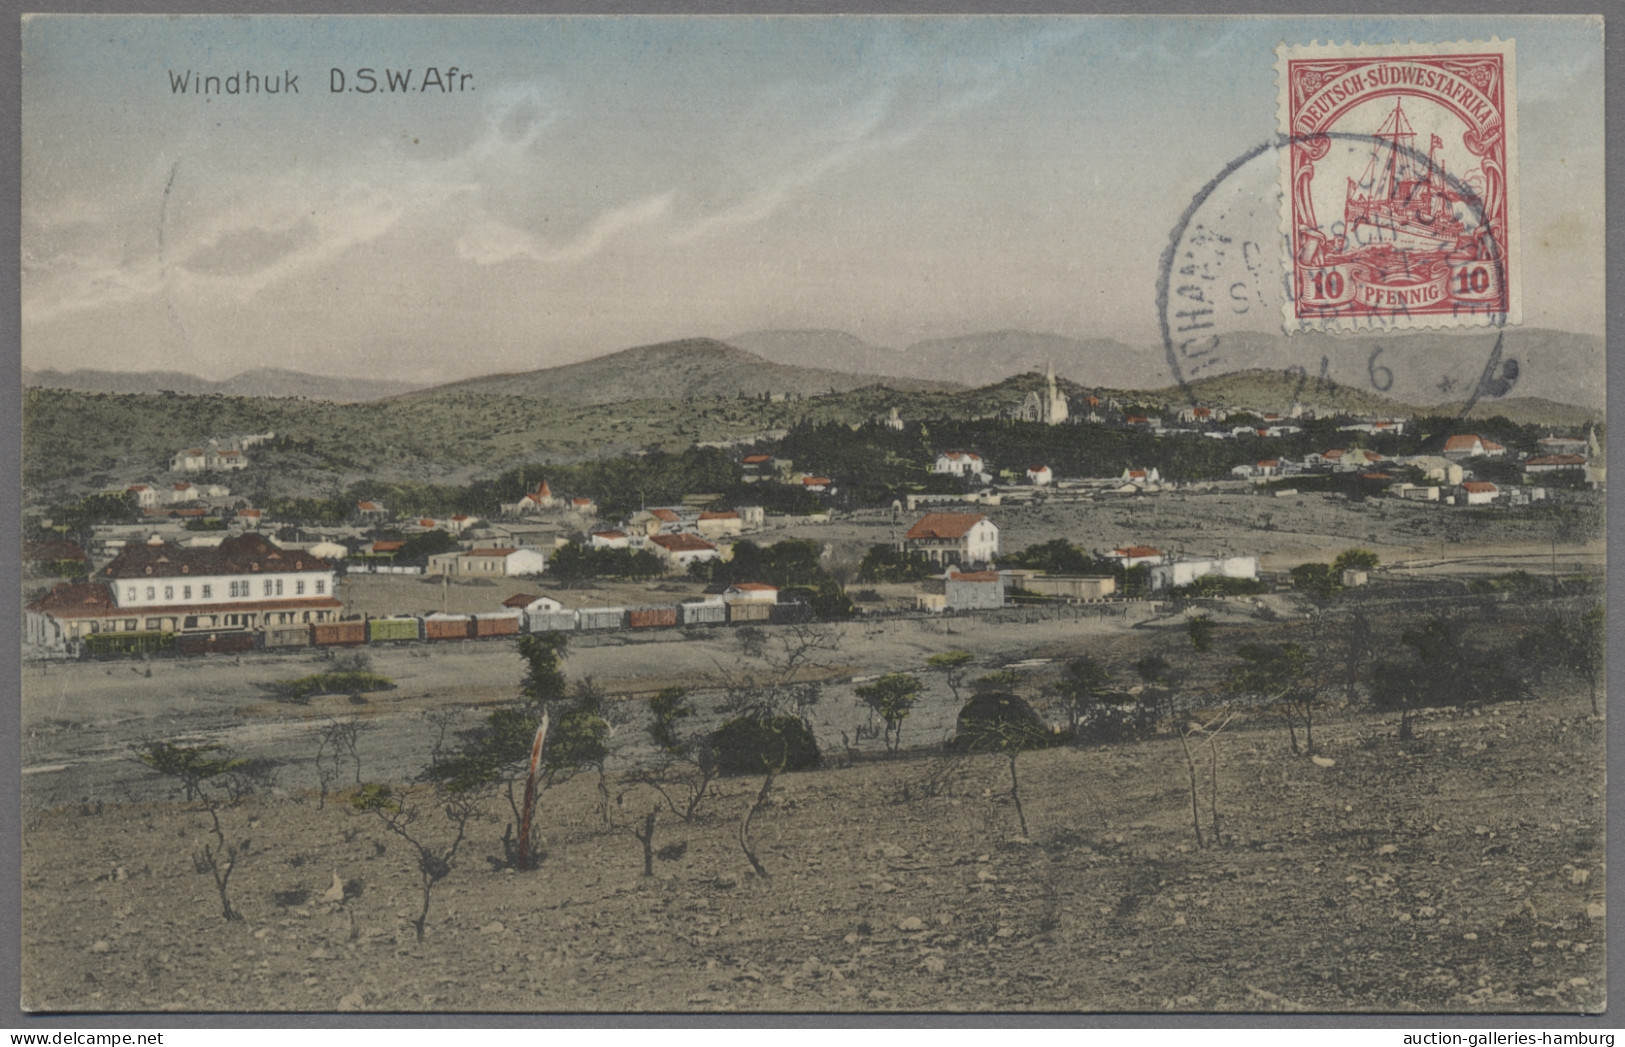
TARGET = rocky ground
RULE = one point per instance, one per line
(1463, 871)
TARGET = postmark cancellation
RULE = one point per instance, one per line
(1399, 183)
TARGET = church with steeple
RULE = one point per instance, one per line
(1048, 406)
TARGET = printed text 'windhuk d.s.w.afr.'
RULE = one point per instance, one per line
(362, 81)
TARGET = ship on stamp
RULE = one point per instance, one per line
(1399, 186)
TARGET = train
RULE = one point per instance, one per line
(442, 628)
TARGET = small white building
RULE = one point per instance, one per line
(489, 563)
(960, 463)
(683, 550)
(1478, 492)
(609, 540)
(1040, 475)
(1179, 573)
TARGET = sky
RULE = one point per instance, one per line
(591, 184)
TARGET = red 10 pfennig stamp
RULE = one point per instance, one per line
(1399, 179)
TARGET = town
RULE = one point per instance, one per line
(255, 576)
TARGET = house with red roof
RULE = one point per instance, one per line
(1554, 463)
(719, 523)
(1472, 445)
(146, 495)
(1135, 555)
(953, 538)
(241, 584)
(1040, 475)
(1479, 492)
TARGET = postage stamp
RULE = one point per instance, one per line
(1399, 203)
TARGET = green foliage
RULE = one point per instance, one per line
(668, 707)
(786, 563)
(579, 740)
(207, 523)
(1098, 714)
(543, 654)
(764, 745)
(374, 796)
(1154, 670)
(191, 765)
(1218, 585)
(997, 721)
(950, 660)
(342, 682)
(1058, 556)
(1354, 559)
(1272, 671)
(892, 697)
(828, 601)
(998, 680)
(883, 563)
(1316, 579)
(429, 543)
(94, 509)
(1200, 628)
(1445, 670)
(578, 563)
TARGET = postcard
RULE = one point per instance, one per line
(821, 514)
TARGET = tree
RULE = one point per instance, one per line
(1444, 671)
(769, 746)
(1279, 673)
(1353, 559)
(892, 696)
(1081, 688)
(688, 764)
(1575, 646)
(1200, 628)
(1317, 579)
(1000, 722)
(953, 665)
(403, 815)
(216, 778)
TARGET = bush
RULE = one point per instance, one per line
(758, 745)
(998, 721)
(1117, 718)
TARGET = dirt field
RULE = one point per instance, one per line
(1461, 872)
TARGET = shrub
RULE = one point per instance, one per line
(1000, 721)
(758, 745)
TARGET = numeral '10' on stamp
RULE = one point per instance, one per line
(1399, 183)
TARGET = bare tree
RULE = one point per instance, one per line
(404, 815)
(214, 777)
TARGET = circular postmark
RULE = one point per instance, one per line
(1225, 278)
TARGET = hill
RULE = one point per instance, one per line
(262, 382)
(694, 368)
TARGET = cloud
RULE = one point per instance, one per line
(494, 242)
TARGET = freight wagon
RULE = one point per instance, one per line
(279, 636)
(215, 643)
(708, 612)
(498, 623)
(551, 622)
(651, 617)
(338, 634)
(447, 627)
(749, 612)
(602, 618)
(116, 645)
(789, 613)
(394, 630)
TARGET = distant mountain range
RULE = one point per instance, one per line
(1429, 368)
(264, 382)
(694, 367)
(1421, 367)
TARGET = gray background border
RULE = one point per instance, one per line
(10, 509)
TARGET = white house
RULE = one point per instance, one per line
(489, 563)
(1141, 477)
(954, 538)
(1177, 574)
(1135, 555)
(244, 582)
(146, 495)
(751, 592)
(190, 460)
(1479, 492)
(960, 463)
(682, 550)
(1040, 475)
(609, 540)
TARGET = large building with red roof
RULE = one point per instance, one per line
(244, 583)
(953, 538)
